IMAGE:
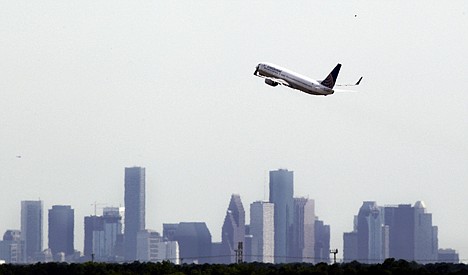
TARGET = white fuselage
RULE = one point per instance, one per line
(291, 79)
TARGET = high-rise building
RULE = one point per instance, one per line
(322, 242)
(147, 241)
(281, 194)
(91, 225)
(400, 232)
(262, 231)
(11, 247)
(248, 248)
(303, 237)
(194, 241)
(233, 230)
(400, 219)
(426, 241)
(103, 235)
(412, 236)
(134, 209)
(350, 246)
(61, 229)
(369, 233)
(31, 229)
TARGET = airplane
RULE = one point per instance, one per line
(275, 75)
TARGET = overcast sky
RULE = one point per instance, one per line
(90, 87)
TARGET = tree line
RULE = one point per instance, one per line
(389, 266)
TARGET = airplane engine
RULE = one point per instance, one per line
(271, 82)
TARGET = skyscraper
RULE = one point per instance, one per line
(134, 209)
(401, 232)
(400, 219)
(262, 231)
(322, 242)
(350, 243)
(194, 241)
(103, 235)
(303, 237)
(31, 228)
(426, 241)
(281, 194)
(61, 230)
(233, 230)
(369, 233)
(91, 224)
(412, 236)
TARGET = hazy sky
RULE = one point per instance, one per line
(90, 87)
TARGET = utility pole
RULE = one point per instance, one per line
(239, 253)
(334, 252)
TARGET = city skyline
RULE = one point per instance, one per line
(90, 87)
(377, 231)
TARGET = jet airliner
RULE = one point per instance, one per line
(275, 75)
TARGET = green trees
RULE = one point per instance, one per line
(388, 267)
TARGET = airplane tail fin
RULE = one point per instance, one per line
(331, 78)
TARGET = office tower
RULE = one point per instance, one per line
(113, 232)
(248, 248)
(303, 236)
(385, 239)
(426, 242)
(103, 235)
(118, 248)
(350, 250)
(31, 229)
(262, 231)
(281, 194)
(233, 230)
(134, 209)
(147, 245)
(91, 224)
(322, 242)
(61, 229)
(11, 247)
(412, 236)
(406, 233)
(369, 233)
(400, 219)
(194, 241)
(350, 243)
